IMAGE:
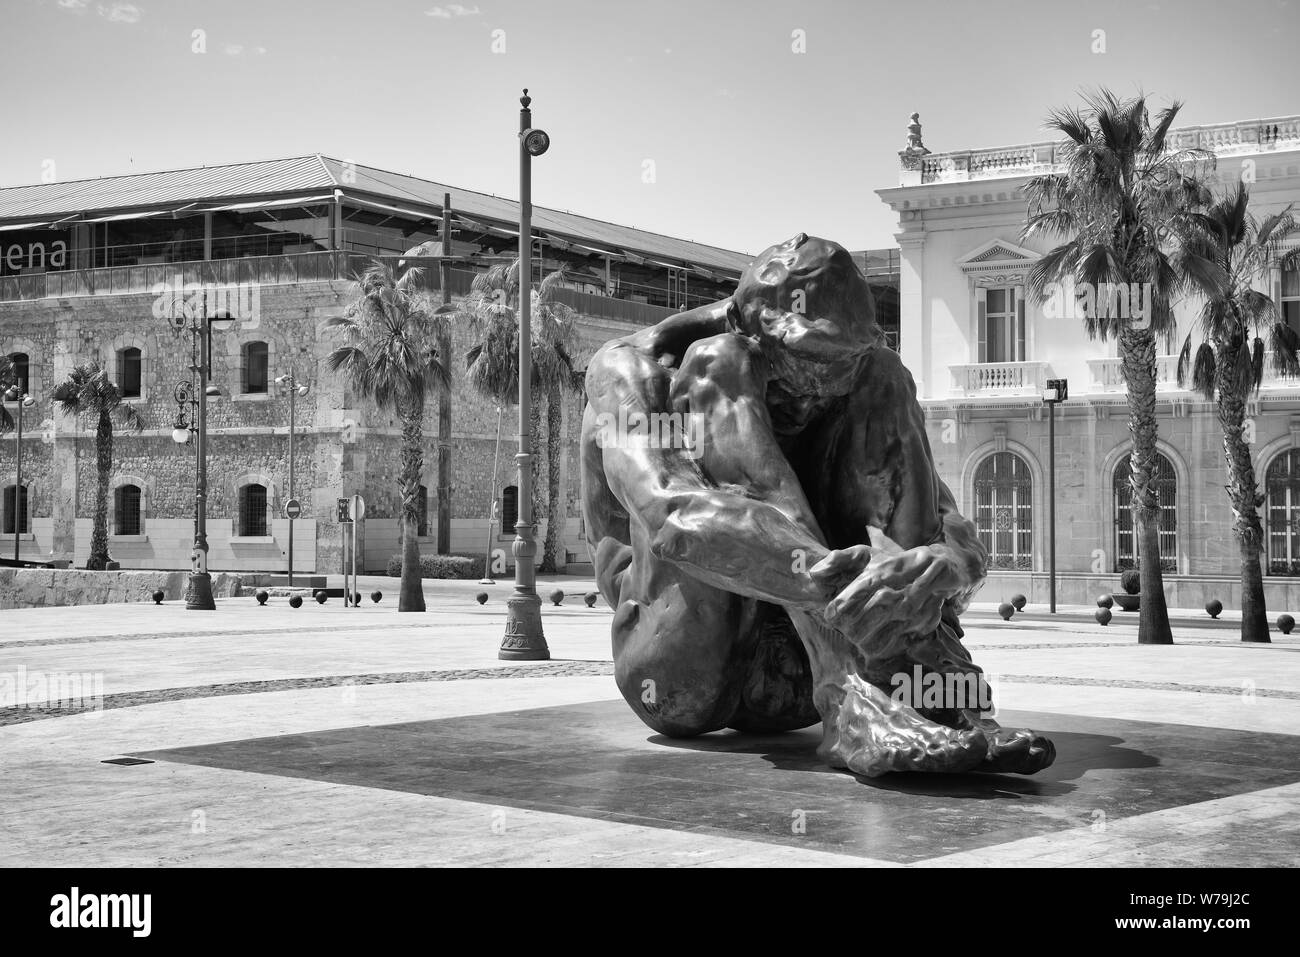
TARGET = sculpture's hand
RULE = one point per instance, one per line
(890, 584)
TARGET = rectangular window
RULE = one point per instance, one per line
(252, 514)
(127, 510)
(15, 508)
(129, 372)
(1002, 326)
(256, 368)
(22, 371)
(1290, 304)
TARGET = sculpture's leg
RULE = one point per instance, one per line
(1018, 750)
(866, 730)
(681, 647)
(863, 728)
(777, 693)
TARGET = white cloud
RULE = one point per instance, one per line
(233, 49)
(452, 10)
(120, 12)
(74, 4)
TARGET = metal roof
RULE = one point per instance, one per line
(49, 202)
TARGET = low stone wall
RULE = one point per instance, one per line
(41, 587)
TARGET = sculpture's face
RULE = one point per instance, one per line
(811, 311)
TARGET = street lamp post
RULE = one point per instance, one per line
(1058, 390)
(492, 507)
(524, 639)
(290, 382)
(199, 325)
(24, 401)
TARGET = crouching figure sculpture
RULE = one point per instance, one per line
(768, 525)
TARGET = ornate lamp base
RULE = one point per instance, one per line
(524, 639)
(198, 596)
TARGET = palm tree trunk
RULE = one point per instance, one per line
(554, 506)
(98, 559)
(1242, 494)
(411, 592)
(535, 426)
(1138, 347)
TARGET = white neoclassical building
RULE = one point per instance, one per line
(981, 352)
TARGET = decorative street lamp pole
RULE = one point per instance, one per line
(24, 401)
(290, 382)
(199, 325)
(1058, 390)
(524, 639)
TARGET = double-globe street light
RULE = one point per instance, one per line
(192, 317)
(24, 401)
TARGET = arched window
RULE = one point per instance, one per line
(252, 511)
(1004, 510)
(509, 508)
(130, 369)
(22, 371)
(256, 366)
(126, 510)
(15, 509)
(422, 513)
(1282, 513)
(1166, 484)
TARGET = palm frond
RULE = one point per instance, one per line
(1203, 371)
(1283, 342)
(1184, 361)
(1243, 371)
(1257, 363)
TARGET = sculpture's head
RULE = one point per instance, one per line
(810, 309)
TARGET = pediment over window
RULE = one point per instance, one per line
(997, 262)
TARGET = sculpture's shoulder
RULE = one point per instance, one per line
(655, 350)
(885, 380)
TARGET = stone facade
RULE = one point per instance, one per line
(343, 446)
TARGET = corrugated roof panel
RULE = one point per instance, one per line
(148, 189)
(568, 225)
(315, 172)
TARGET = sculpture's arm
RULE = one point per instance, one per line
(961, 540)
(927, 560)
(926, 501)
(729, 510)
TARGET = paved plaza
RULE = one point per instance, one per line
(332, 736)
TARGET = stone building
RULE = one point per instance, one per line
(85, 265)
(981, 353)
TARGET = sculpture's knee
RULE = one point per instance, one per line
(676, 704)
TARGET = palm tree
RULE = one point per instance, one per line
(492, 310)
(8, 379)
(390, 356)
(1229, 363)
(89, 392)
(440, 248)
(1115, 203)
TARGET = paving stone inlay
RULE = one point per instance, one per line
(135, 699)
(596, 760)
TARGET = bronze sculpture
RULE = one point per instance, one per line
(768, 526)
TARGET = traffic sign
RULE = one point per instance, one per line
(358, 508)
(292, 508)
(344, 516)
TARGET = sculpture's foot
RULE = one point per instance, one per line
(869, 733)
(1013, 750)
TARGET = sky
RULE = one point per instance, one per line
(726, 122)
